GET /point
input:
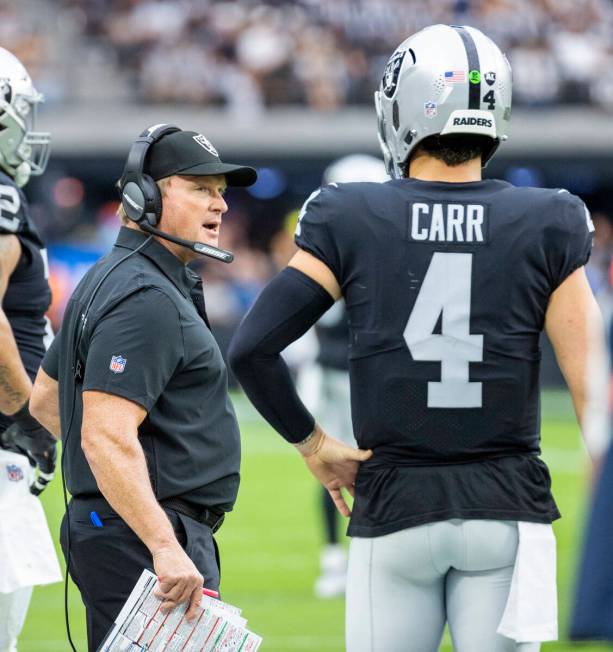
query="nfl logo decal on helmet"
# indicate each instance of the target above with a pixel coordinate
(430, 109)
(118, 364)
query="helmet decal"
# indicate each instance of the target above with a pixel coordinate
(392, 70)
(5, 89)
(474, 76)
(490, 78)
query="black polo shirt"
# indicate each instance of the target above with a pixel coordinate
(144, 340)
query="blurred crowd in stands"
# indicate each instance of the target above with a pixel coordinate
(322, 54)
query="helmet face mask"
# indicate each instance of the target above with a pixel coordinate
(442, 80)
(24, 152)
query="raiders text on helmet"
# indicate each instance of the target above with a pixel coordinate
(443, 80)
(23, 151)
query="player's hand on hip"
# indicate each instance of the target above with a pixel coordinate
(178, 578)
(334, 464)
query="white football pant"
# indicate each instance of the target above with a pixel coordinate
(403, 587)
(13, 610)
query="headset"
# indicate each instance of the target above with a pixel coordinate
(141, 198)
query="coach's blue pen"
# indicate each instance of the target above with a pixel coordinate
(95, 519)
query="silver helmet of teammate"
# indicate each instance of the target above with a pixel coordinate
(23, 150)
(446, 79)
(356, 167)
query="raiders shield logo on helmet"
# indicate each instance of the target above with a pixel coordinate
(5, 89)
(490, 78)
(392, 70)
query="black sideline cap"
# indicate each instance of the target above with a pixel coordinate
(190, 153)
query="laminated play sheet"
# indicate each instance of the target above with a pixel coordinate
(142, 626)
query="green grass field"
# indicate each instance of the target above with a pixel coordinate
(270, 544)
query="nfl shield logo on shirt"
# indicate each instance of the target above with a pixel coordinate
(14, 473)
(118, 364)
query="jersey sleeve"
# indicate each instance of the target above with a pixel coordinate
(314, 229)
(569, 237)
(136, 348)
(51, 361)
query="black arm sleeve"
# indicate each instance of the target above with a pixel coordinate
(287, 307)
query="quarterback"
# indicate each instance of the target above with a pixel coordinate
(448, 282)
(27, 557)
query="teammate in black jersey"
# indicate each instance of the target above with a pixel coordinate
(27, 556)
(448, 281)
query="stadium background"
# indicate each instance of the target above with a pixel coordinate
(287, 86)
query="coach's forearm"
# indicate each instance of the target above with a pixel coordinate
(15, 385)
(118, 463)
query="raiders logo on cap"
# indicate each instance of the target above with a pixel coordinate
(206, 143)
(392, 71)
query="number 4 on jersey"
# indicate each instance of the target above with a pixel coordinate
(445, 293)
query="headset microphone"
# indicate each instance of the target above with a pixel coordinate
(199, 247)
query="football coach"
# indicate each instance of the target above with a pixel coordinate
(137, 386)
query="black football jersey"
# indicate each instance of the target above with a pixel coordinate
(332, 332)
(446, 287)
(28, 295)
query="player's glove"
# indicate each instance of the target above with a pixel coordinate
(27, 436)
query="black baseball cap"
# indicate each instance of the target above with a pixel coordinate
(189, 153)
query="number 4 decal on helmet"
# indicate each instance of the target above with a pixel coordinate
(455, 347)
(490, 99)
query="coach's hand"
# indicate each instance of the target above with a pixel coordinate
(334, 464)
(179, 580)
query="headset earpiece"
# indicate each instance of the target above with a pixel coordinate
(153, 200)
(140, 195)
(133, 201)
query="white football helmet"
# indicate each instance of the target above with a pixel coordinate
(446, 79)
(23, 151)
(356, 167)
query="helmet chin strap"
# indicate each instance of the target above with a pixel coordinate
(22, 174)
